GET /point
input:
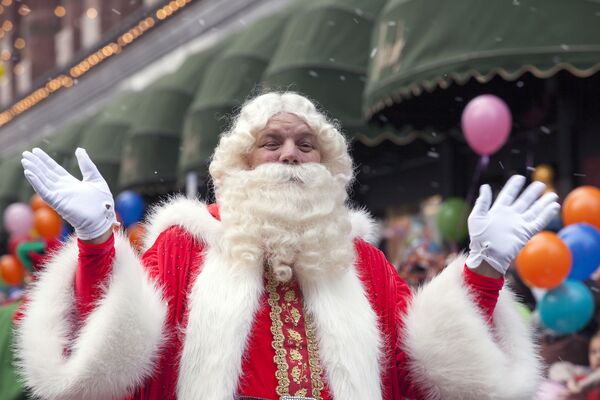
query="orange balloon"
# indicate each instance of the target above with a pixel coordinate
(11, 270)
(545, 261)
(543, 173)
(36, 202)
(47, 223)
(582, 205)
(135, 233)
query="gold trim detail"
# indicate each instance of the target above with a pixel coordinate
(283, 382)
(313, 356)
(282, 299)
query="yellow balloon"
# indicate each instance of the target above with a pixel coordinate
(543, 173)
(34, 234)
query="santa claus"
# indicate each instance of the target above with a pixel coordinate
(274, 292)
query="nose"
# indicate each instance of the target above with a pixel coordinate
(289, 154)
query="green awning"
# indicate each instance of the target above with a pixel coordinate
(104, 138)
(229, 80)
(26, 190)
(151, 150)
(11, 182)
(61, 145)
(324, 54)
(428, 44)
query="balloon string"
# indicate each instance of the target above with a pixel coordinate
(481, 166)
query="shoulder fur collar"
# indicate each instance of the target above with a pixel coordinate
(193, 216)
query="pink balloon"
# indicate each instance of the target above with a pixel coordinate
(486, 123)
(18, 219)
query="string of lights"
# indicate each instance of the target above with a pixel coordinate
(67, 80)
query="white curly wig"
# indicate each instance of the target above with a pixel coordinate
(234, 146)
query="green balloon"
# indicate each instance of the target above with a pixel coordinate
(452, 219)
(525, 312)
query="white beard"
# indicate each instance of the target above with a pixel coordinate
(291, 218)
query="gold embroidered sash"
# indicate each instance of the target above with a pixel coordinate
(294, 340)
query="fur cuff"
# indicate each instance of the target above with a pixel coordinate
(117, 346)
(454, 352)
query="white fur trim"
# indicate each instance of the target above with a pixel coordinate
(363, 226)
(456, 355)
(191, 215)
(350, 344)
(114, 351)
(222, 305)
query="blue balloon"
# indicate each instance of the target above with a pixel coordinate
(66, 232)
(555, 224)
(130, 207)
(567, 308)
(583, 241)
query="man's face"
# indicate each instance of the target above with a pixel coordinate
(287, 139)
(594, 352)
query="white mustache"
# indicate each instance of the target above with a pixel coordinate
(282, 173)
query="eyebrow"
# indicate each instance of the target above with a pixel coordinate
(275, 135)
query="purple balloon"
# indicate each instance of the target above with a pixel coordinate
(18, 219)
(486, 123)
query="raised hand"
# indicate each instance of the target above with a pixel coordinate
(87, 205)
(498, 233)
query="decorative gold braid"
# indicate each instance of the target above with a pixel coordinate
(281, 374)
(313, 356)
(280, 358)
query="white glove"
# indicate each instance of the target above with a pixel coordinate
(499, 233)
(87, 205)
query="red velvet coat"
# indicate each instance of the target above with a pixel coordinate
(176, 258)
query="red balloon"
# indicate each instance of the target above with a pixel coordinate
(47, 223)
(582, 205)
(11, 270)
(14, 241)
(545, 261)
